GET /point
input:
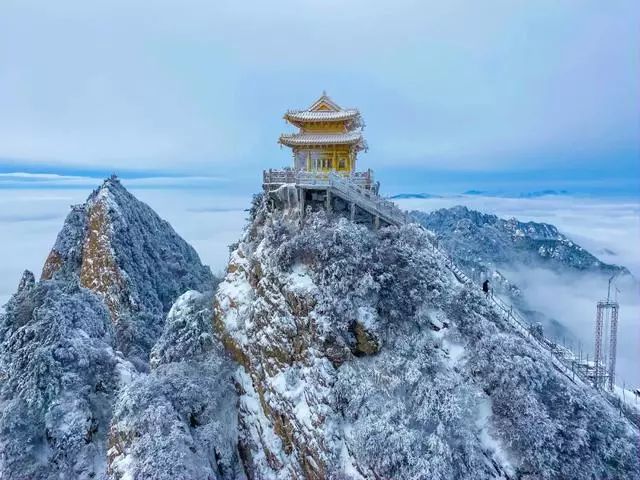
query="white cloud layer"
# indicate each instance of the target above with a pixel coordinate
(43, 180)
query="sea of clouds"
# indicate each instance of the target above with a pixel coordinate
(211, 219)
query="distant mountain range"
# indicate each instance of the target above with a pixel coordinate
(477, 238)
(404, 196)
(534, 194)
(485, 193)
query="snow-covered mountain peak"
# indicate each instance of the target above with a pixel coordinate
(119, 248)
(476, 237)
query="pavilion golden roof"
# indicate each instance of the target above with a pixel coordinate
(323, 124)
(320, 115)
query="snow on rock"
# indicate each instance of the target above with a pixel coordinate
(482, 245)
(300, 281)
(489, 442)
(187, 333)
(120, 249)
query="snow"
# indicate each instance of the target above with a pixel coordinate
(123, 464)
(182, 304)
(299, 280)
(490, 442)
(437, 318)
(126, 370)
(629, 398)
(292, 387)
(456, 351)
(234, 296)
(347, 461)
(259, 426)
(367, 317)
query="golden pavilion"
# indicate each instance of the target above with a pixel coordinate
(329, 137)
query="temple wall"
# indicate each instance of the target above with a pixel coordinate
(324, 128)
(336, 157)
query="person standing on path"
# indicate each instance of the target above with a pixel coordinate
(485, 287)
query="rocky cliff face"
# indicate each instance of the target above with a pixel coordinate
(360, 356)
(118, 247)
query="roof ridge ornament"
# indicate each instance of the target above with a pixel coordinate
(329, 104)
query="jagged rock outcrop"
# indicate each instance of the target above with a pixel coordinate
(119, 248)
(71, 341)
(361, 356)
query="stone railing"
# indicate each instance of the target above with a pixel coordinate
(317, 178)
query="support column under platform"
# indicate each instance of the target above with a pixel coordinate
(301, 200)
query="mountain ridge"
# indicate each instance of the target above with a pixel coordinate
(491, 236)
(485, 246)
(369, 325)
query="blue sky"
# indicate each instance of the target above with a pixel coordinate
(496, 95)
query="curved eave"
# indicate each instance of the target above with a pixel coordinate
(305, 116)
(321, 140)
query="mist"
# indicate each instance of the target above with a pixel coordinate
(571, 298)
(609, 228)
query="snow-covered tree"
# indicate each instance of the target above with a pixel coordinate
(59, 379)
(179, 421)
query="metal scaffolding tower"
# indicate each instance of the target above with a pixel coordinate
(605, 348)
